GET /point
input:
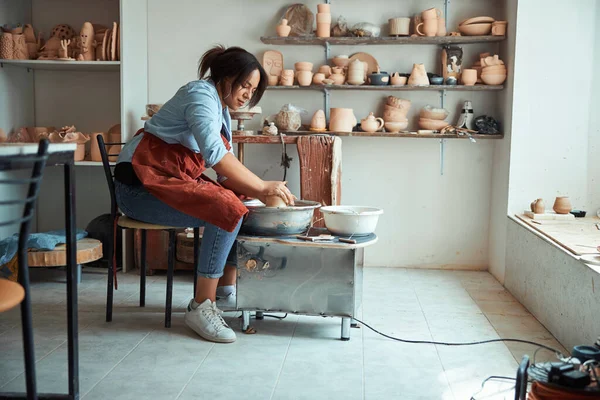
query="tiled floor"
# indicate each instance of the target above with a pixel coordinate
(135, 357)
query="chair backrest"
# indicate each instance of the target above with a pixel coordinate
(36, 162)
(108, 172)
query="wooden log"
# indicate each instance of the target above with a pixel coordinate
(320, 159)
(88, 250)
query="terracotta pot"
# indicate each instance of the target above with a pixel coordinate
(538, 206)
(428, 27)
(338, 77)
(318, 78)
(94, 148)
(393, 114)
(287, 77)
(469, 77)
(6, 46)
(323, 18)
(272, 80)
(371, 124)
(342, 120)
(20, 51)
(398, 103)
(399, 26)
(325, 70)
(323, 29)
(304, 78)
(341, 61)
(80, 152)
(562, 205)
(318, 122)
(303, 66)
(324, 8)
(283, 29)
(418, 76)
(395, 127)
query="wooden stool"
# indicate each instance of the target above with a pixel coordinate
(88, 250)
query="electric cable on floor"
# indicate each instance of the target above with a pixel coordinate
(459, 343)
(489, 378)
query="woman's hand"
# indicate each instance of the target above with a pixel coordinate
(276, 188)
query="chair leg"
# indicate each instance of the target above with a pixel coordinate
(171, 268)
(27, 326)
(110, 284)
(196, 257)
(143, 271)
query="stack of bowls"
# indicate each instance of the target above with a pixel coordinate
(494, 74)
(394, 114)
(304, 73)
(432, 118)
(477, 26)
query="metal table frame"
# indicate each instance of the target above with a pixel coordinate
(62, 154)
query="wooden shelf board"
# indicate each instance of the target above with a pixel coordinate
(419, 40)
(92, 163)
(292, 137)
(474, 88)
(51, 65)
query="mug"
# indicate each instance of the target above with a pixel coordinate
(499, 28)
(430, 27)
(432, 13)
(399, 26)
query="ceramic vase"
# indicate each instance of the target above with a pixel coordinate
(342, 120)
(538, 206)
(356, 73)
(287, 77)
(418, 76)
(6, 46)
(283, 29)
(318, 122)
(304, 78)
(562, 205)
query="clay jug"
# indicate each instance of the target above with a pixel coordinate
(6, 46)
(538, 206)
(562, 205)
(356, 73)
(342, 120)
(304, 78)
(283, 29)
(371, 124)
(318, 122)
(418, 76)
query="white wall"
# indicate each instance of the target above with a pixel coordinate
(593, 202)
(561, 292)
(430, 220)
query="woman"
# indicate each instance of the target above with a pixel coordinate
(158, 177)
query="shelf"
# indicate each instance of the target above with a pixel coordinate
(92, 163)
(476, 88)
(418, 40)
(292, 137)
(51, 65)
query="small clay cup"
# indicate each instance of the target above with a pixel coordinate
(562, 205)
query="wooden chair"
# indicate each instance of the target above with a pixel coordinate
(124, 222)
(11, 293)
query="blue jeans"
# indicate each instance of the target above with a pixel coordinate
(218, 246)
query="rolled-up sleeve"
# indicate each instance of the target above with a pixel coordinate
(202, 114)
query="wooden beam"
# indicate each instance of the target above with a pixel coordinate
(407, 88)
(408, 40)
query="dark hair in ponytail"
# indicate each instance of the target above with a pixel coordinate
(233, 63)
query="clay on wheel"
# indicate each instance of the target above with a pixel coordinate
(275, 201)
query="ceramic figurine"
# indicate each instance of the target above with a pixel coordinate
(88, 44)
(465, 120)
(538, 206)
(562, 205)
(283, 29)
(452, 62)
(270, 130)
(273, 63)
(50, 49)
(287, 77)
(418, 76)
(318, 122)
(342, 120)
(6, 46)
(63, 52)
(20, 51)
(371, 124)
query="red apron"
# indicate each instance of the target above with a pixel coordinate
(174, 174)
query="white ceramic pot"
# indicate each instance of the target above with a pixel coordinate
(351, 220)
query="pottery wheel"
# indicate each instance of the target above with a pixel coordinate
(241, 116)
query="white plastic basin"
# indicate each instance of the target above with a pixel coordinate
(351, 220)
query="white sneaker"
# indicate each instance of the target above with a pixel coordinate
(227, 303)
(207, 322)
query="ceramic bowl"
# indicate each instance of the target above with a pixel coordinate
(380, 79)
(351, 220)
(493, 79)
(152, 109)
(395, 127)
(432, 124)
(438, 80)
(303, 66)
(434, 113)
(341, 61)
(397, 102)
(475, 29)
(578, 213)
(394, 114)
(451, 81)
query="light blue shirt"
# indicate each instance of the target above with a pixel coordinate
(193, 118)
